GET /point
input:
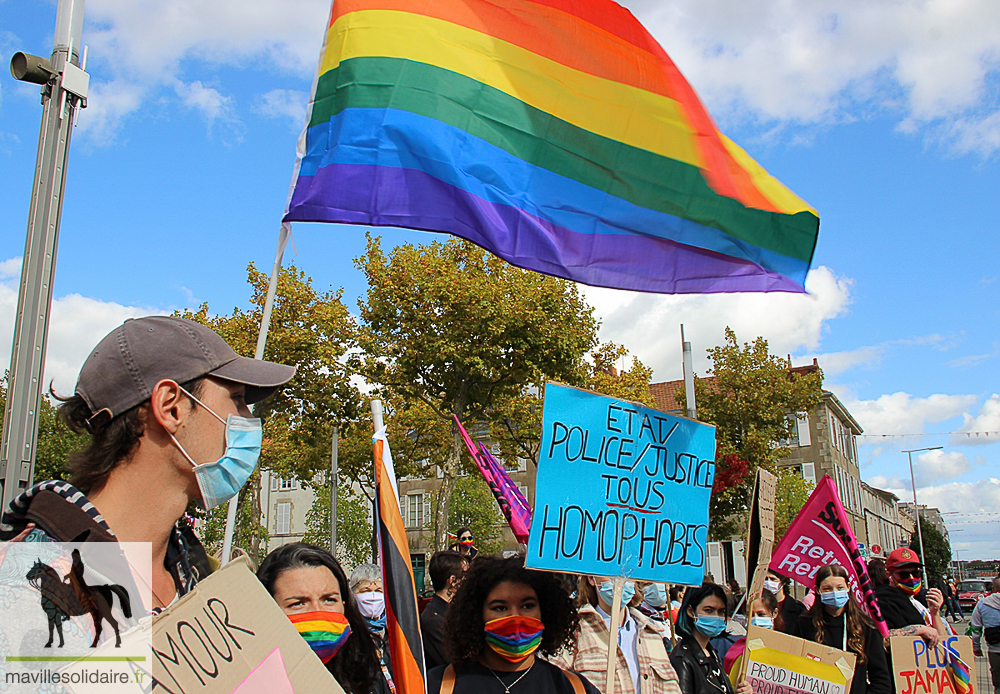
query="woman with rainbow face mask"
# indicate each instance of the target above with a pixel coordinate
(836, 620)
(464, 544)
(310, 587)
(501, 618)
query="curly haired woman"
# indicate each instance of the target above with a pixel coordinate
(502, 617)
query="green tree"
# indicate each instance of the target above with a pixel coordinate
(473, 506)
(354, 529)
(516, 422)
(313, 330)
(791, 493)
(55, 440)
(750, 397)
(458, 329)
(936, 555)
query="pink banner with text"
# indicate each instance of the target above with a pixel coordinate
(821, 534)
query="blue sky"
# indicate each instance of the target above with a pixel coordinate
(885, 116)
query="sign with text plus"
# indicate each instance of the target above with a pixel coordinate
(621, 490)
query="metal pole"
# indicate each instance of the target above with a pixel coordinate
(692, 411)
(333, 491)
(265, 325)
(64, 89)
(916, 508)
(377, 423)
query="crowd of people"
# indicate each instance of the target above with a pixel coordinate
(165, 402)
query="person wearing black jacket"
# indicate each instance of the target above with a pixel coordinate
(789, 609)
(836, 620)
(699, 668)
(897, 601)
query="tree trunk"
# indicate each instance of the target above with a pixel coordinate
(449, 476)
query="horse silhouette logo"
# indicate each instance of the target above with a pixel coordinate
(70, 596)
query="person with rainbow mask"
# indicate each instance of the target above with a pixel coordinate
(898, 601)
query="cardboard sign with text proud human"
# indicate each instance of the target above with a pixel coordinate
(229, 637)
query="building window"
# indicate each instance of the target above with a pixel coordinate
(802, 429)
(415, 510)
(809, 472)
(286, 485)
(283, 519)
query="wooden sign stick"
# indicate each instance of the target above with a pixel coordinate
(616, 621)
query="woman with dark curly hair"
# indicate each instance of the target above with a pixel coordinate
(310, 587)
(500, 618)
(836, 620)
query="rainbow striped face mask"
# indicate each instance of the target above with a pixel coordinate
(325, 632)
(514, 638)
(911, 586)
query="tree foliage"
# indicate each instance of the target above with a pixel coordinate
(354, 529)
(516, 421)
(473, 506)
(791, 493)
(55, 440)
(749, 398)
(456, 328)
(936, 555)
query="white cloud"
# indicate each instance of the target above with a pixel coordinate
(648, 324)
(933, 467)
(987, 421)
(902, 413)
(823, 61)
(139, 52)
(288, 104)
(77, 324)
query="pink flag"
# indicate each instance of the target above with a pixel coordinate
(513, 505)
(821, 534)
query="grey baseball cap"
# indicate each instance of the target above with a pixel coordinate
(121, 371)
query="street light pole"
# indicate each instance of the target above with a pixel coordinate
(64, 85)
(916, 508)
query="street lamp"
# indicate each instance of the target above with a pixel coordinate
(916, 509)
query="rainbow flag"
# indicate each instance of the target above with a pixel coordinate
(557, 134)
(402, 621)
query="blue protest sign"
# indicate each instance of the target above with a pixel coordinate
(621, 490)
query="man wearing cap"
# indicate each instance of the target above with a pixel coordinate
(165, 401)
(903, 614)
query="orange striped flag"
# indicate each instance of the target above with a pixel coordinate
(402, 622)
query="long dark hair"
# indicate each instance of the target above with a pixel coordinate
(855, 620)
(694, 597)
(357, 661)
(464, 628)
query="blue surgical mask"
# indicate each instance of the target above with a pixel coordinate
(655, 594)
(221, 480)
(710, 626)
(763, 622)
(607, 591)
(835, 598)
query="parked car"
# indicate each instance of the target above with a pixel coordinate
(971, 591)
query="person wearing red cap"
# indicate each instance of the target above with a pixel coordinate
(903, 613)
(165, 402)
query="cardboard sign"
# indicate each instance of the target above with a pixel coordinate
(760, 531)
(777, 663)
(229, 635)
(920, 669)
(621, 490)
